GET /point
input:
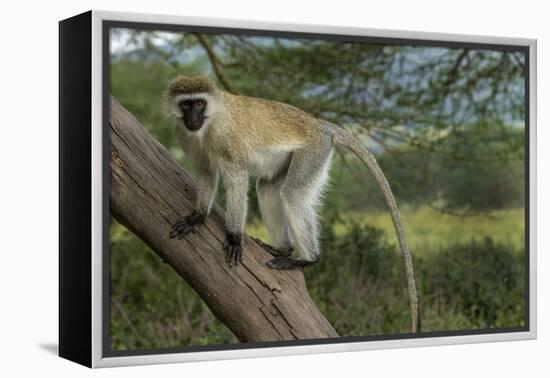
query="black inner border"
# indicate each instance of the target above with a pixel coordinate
(106, 337)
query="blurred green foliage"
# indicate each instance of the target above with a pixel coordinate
(447, 128)
(359, 285)
(151, 306)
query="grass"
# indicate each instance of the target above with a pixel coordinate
(429, 230)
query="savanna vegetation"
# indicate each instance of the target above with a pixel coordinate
(447, 125)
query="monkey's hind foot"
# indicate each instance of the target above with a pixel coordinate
(233, 248)
(187, 224)
(285, 263)
(275, 252)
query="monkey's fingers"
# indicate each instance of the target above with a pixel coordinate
(180, 222)
(187, 224)
(272, 250)
(275, 263)
(233, 254)
(181, 228)
(229, 256)
(285, 263)
(177, 228)
(192, 229)
(232, 259)
(173, 233)
(227, 249)
(238, 254)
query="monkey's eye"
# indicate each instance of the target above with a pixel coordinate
(186, 104)
(200, 103)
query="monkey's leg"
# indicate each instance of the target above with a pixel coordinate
(236, 184)
(275, 252)
(207, 185)
(271, 208)
(307, 174)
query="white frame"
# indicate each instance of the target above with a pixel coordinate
(97, 196)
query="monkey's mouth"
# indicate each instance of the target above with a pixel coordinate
(193, 123)
(183, 117)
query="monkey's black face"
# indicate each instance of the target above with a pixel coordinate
(193, 113)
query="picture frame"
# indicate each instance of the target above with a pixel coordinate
(85, 185)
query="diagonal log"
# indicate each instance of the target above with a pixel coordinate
(149, 191)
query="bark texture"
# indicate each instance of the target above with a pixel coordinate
(149, 192)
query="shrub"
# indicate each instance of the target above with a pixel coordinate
(360, 283)
(484, 280)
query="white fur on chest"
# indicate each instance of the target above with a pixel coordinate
(187, 136)
(268, 163)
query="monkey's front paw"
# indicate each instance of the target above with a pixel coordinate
(187, 224)
(233, 249)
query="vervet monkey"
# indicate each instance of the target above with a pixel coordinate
(287, 150)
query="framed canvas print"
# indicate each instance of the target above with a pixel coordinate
(235, 189)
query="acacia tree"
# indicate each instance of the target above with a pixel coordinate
(432, 100)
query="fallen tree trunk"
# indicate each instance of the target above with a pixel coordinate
(149, 192)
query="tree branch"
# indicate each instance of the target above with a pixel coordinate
(215, 61)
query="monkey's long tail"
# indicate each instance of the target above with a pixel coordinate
(345, 138)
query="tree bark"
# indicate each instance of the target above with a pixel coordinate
(149, 192)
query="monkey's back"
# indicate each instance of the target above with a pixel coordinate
(266, 123)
